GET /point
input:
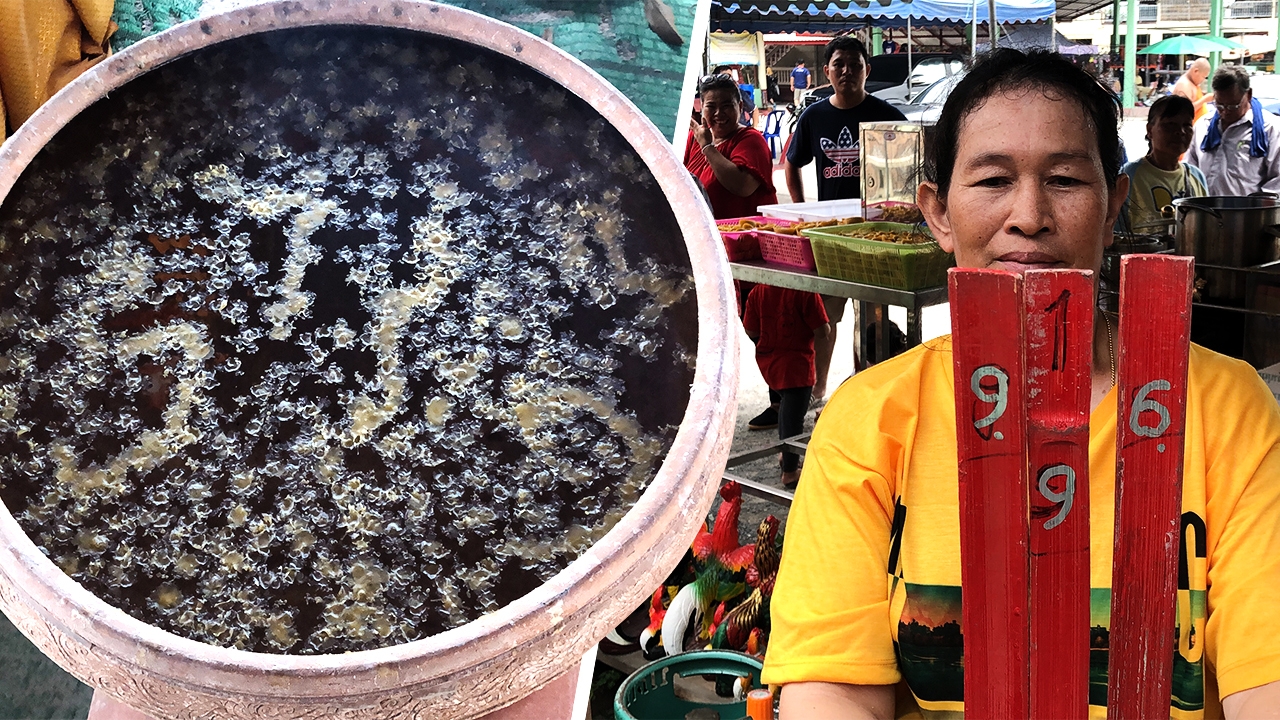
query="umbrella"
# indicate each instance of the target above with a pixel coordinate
(1224, 42)
(1183, 45)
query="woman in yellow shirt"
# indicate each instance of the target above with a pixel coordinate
(1159, 177)
(1025, 174)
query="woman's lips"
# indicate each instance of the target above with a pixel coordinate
(1022, 261)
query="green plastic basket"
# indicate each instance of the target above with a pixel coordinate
(650, 692)
(904, 267)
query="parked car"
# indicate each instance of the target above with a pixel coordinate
(927, 105)
(890, 81)
(1266, 88)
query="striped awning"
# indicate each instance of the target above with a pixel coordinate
(739, 15)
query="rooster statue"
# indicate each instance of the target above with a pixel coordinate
(720, 563)
(743, 626)
(650, 637)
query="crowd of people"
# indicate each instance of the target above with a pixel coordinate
(1217, 143)
(731, 160)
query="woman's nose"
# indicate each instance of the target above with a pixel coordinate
(1030, 212)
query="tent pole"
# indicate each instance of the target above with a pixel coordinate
(1215, 29)
(993, 24)
(1130, 52)
(1115, 31)
(1053, 33)
(973, 32)
(910, 66)
(877, 37)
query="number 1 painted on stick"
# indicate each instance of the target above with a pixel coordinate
(1155, 326)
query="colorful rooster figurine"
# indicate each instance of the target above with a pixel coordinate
(764, 562)
(721, 543)
(721, 561)
(746, 621)
(650, 639)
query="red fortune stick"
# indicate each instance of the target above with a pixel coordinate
(1059, 353)
(986, 321)
(1155, 327)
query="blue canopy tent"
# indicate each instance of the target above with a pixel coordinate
(767, 16)
(1040, 36)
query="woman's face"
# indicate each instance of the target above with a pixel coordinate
(1028, 190)
(720, 111)
(1171, 134)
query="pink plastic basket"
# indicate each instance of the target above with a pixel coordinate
(741, 245)
(744, 245)
(790, 250)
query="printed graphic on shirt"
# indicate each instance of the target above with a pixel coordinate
(929, 641)
(843, 153)
(1162, 196)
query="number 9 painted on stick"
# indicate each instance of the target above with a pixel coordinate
(1000, 397)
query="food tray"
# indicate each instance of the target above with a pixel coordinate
(744, 245)
(875, 211)
(790, 250)
(903, 267)
(822, 210)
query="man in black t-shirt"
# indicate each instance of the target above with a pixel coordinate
(828, 130)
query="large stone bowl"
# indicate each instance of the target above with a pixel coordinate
(467, 671)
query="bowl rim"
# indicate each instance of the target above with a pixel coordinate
(563, 617)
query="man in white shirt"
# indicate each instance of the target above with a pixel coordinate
(1238, 146)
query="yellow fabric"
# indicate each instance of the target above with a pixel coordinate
(1152, 189)
(888, 437)
(45, 44)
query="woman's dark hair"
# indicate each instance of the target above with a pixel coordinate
(721, 81)
(1169, 106)
(1040, 70)
(849, 44)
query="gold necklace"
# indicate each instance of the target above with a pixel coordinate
(1111, 348)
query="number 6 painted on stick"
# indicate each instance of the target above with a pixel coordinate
(1142, 403)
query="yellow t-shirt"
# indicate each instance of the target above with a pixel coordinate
(1151, 189)
(869, 588)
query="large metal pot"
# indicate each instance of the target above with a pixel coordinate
(1230, 232)
(485, 664)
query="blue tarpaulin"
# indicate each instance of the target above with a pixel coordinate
(765, 16)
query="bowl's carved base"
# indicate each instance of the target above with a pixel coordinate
(555, 700)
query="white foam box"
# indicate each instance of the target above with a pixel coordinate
(813, 211)
(1271, 376)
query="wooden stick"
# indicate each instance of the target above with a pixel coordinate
(1155, 325)
(1059, 335)
(986, 321)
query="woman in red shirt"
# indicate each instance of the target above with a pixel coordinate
(731, 161)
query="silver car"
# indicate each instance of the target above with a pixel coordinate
(925, 107)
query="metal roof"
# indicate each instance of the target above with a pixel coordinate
(811, 15)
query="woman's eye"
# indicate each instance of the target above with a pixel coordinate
(994, 181)
(1064, 181)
